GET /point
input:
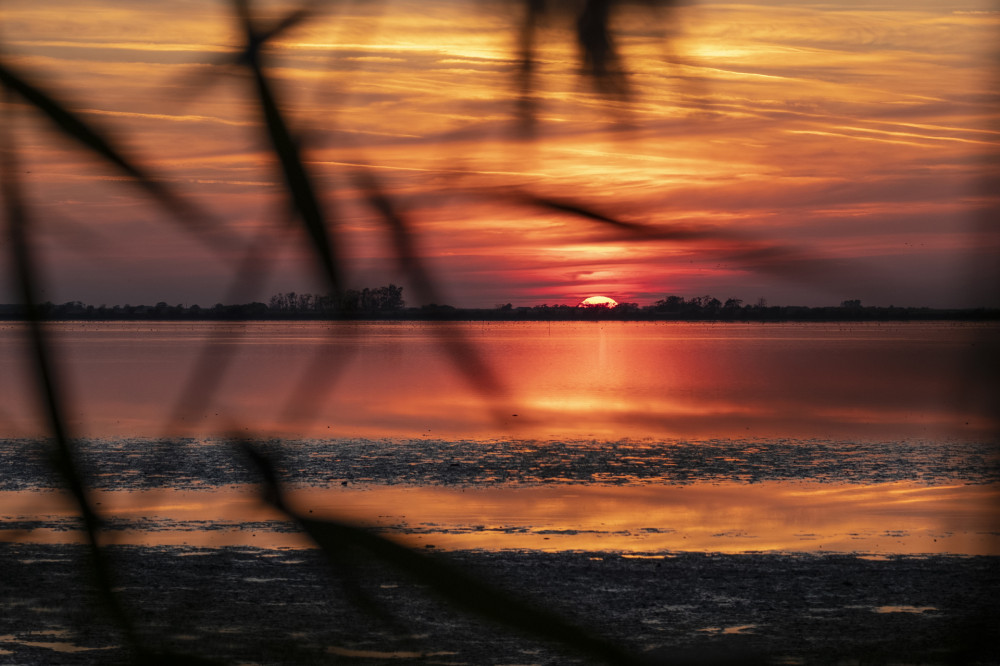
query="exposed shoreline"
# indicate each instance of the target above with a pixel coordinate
(135, 463)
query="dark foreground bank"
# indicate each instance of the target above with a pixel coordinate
(240, 605)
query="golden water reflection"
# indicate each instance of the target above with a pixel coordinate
(901, 518)
(560, 380)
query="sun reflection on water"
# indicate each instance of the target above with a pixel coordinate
(717, 517)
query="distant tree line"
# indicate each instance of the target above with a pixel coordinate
(709, 308)
(352, 303)
(387, 303)
(364, 303)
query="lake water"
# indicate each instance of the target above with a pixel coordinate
(530, 380)
(729, 437)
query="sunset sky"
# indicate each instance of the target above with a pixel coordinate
(805, 153)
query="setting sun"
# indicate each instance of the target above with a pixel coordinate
(292, 284)
(598, 302)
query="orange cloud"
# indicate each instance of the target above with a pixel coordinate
(828, 133)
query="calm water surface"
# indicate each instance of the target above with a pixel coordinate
(527, 380)
(875, 438)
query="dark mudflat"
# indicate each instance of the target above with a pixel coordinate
(242, 605)
(135, 464)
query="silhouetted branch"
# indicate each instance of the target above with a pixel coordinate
(52, 401)
(297, 180)
(467, 360)
(71, 125)
(450, 583)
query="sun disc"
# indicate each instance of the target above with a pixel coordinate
(598, 302)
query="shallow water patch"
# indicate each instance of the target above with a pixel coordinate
(719, 517)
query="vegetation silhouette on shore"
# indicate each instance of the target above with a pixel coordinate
(386, 303)
(142, 632)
